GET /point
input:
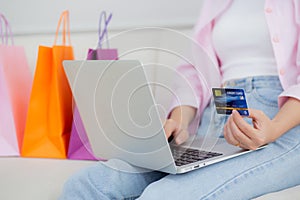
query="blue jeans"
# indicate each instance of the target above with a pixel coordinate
(271, 169)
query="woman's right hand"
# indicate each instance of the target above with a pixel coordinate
(177, 131)
(177, 125)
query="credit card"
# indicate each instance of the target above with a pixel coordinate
(228, 99)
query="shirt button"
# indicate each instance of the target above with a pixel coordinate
(282, 71)
(268, 10)
(275, 39)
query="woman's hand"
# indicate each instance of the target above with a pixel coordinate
(176, 126)
(264, 130)
(178, 131)
(239, 133)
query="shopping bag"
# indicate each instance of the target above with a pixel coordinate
(79, 146)
(49, 118)
(15, 86)
(101, 53)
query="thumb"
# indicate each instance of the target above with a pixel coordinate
(257, 117)
(255, 114)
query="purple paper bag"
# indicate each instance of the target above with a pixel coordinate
(102, 54)
(79, 146)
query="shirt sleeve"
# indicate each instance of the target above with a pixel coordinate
(294, 89)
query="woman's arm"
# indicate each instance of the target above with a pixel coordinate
(178, 123)
(264, 130)
(288, 116)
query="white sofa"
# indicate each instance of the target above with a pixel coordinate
(42, 179)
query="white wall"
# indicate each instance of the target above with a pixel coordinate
(41, 16)
(34, 22)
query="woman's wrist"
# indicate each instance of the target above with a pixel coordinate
(277, 130)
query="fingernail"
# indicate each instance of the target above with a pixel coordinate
(232, 112)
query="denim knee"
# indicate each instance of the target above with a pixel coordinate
(80, 186)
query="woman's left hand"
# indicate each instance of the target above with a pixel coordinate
(239, 133)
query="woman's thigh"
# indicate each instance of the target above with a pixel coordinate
(114, 179)
(271, 169)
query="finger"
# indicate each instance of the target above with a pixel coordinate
(243, 146)
(245, 141)
(242, 125)
(170, 127)
(181, 136)
(228, 134)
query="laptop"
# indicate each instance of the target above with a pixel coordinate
(121, 119)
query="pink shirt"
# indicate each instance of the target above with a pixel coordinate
(282, 17)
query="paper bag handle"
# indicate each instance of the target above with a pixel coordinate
(6, 29)
(64, 18)
(103, 33)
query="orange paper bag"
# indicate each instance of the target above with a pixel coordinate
(49, 118)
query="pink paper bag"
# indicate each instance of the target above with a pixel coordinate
(79, 146)
(15, 86)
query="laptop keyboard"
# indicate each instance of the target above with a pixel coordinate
(184, 156)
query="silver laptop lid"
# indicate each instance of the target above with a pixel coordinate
(118, 111)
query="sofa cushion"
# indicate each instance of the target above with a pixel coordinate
(35, 179)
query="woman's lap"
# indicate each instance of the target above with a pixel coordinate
(108, 180)
(244, 177)
(271, 169)
(267, 170)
